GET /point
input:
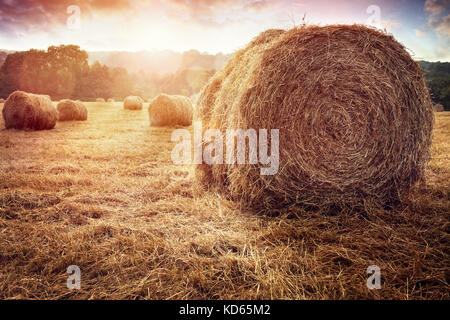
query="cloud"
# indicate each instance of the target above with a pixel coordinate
(420, 33)
(436, 20)
(444, 51)
(218, 12)
(439, 22)
(441, 25)
(262, 5)
(390, 24)
(436, 7)
(40, 15)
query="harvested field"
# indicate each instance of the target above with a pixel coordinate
(104, 194)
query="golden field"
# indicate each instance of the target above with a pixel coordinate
(104, 194)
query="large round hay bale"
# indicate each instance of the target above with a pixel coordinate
(100, 100)
(111, 100)
(354, 117)
(438, 107)
(29, 111)
(2, 100)
(133, 103)
(71, 110)
(170, 110)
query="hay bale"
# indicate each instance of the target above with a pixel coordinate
(438, 107)
(194, 98)
(354, 117)
(133, 103)
(170, 110)
(71, 110)
(2, 100)
(111, 100)
(29, 111)
(99, 100)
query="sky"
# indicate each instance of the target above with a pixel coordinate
(212, 26)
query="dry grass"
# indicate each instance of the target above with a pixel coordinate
(103, 194)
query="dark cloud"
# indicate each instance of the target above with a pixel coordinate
(437, 6)
(442, 25)
(439, 17)
(28, 16)
(439, 21)
(34, 15)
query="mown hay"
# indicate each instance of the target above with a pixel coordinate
(438, 107)
(29, 111)
(354, 115)
(133, 103)
(71, 110)
(100, 100)
(170, 110)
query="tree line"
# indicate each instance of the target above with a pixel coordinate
(437, 78)
(64, 72)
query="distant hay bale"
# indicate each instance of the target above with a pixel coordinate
(133, 103)
(29, 111)
(100, 100)
(111, 100)
(194, 98)
(71, 110)
(170, 110)
(45, 96)
(354, 117)
(2, 100)
(438, 107)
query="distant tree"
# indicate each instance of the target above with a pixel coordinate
(439, 91)
(96, 83)
(11, 72)
(64, 72)
(121, 83)
(437, 75)
(67, 63)
(56, 72)
(445, 97)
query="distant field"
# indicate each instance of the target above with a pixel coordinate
(104, 195)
